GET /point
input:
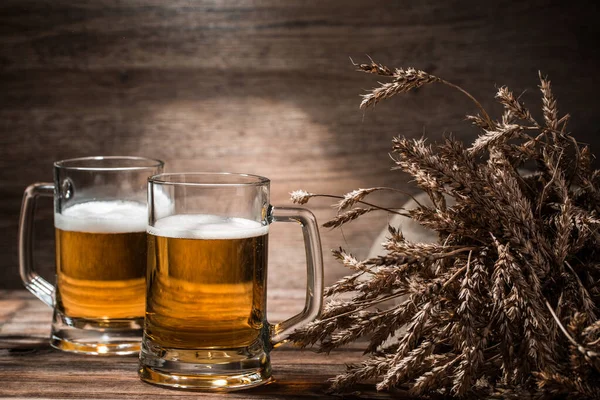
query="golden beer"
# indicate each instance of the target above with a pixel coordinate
(205, 326)
(101, 260)
(206, 282)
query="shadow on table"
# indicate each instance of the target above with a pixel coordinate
(23, 344)
(309, 388)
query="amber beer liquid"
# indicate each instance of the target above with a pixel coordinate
(101, 260)
(206, 285)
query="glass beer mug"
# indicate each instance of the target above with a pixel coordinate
(100, 218)
(206, 325)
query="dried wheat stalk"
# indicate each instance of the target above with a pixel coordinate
(506, 305)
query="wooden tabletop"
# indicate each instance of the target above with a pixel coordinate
(30, 368)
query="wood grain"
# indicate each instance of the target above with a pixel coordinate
(30, 368)
(267, 88)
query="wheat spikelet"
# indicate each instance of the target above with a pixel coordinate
(404, 80)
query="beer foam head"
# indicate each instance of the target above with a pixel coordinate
(117, 216)
(202, 226)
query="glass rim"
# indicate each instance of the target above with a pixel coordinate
(183, 179)
(79, 163)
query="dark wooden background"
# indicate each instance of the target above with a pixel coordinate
(266, 87)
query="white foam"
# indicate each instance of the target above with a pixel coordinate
(117, 216)
(203, 226)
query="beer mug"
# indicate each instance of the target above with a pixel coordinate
(206, 325)
(100, 218)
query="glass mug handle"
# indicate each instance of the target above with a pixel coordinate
(314, 273)
(33, 282)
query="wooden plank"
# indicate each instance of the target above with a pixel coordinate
(29, 368)
(271, 35)
(266, 87)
